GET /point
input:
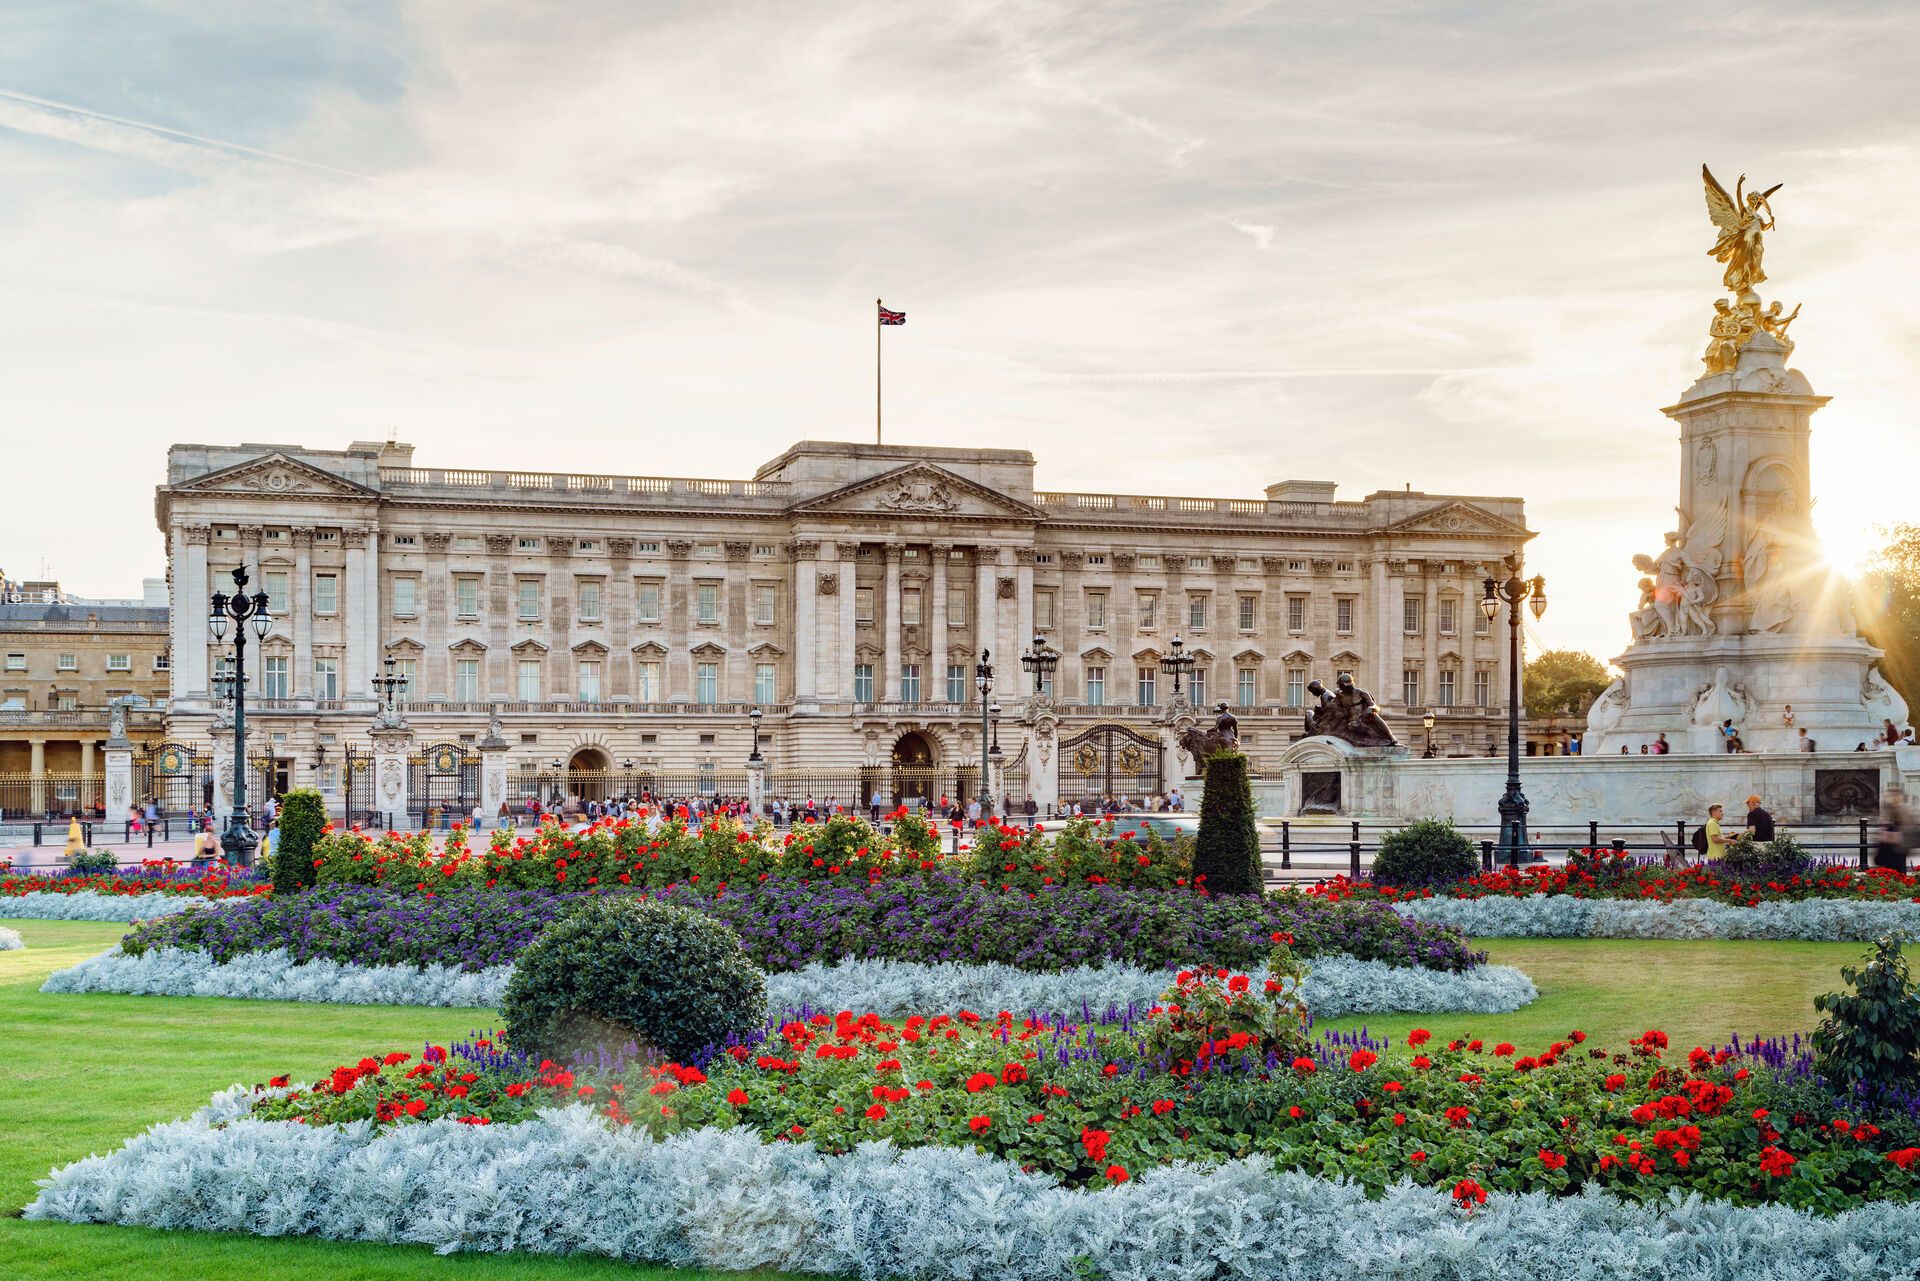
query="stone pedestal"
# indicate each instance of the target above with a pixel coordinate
(119, 765)
(757, 788)
(222, 735)
(1739, 620)
(392, 744)
(493, 770)
(1043, 756)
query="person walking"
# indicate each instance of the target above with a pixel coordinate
(76, 838)
(1804, 743)
(1759, 820)
(1899, 832)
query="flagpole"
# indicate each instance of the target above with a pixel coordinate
(877, 304)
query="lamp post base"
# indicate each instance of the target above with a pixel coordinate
(1514, 847)
(238, 843)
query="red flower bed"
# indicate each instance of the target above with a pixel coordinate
(1598, 876)
(156, 876)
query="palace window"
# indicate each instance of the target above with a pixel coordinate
(647, 549)
(527, 544)
(863, 682)
(529, 590)
(68, 663)
(1096, 609)
(1449, 607)
(273, 676)
(1199, 562)
(590, 602)
(1448, 679)
(1247, 682)
(1197, 686)
(16, 662)
(646, 602)
(763, 684)
(910, 553)
(326, 593)
(1143, 686)
(706, 683)
(405, 540)
(956, 607)
(1482, 687)
(1096, 687)
(765, 601)
(910, 606)
(326, 678)
(1147, 603)
(1096, 560)
(589, 680)
(1197, 613)
(466, 543)
(1296, 687)
(1410, 686)
(529, 680)
(1147, 560)
(765, 551)
(466, 597)
(1481, 623)
(1043, 558)
(707, 549)
(1043, 609)
(863, 604)
(276, 582)
(648, 685)
(956, 682)
(910, 683)
(119, 662)
(1343, 567)
(1411, 608)
(589, 545)
(1343, 615)
(1247, 610)
(466, 679)
(404, 592)
(706, 606)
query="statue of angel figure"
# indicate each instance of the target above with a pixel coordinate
(1741, 218)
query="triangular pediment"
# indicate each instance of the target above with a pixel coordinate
(1346, 658)
(405, 645)
(1296, 656)
(529, 646)
(709, 649)
(918, 490)
(1458, 518)
(1249, 654)
(767, 649)
(650, 649)
(275, 475)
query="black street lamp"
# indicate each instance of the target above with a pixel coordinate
(1040, 662)
(753, 718)
(242, 611)
(1426, 723)
(983, 681)
(1176, 663)
(626, 767)
(553, 797)
(386, 686)
(1513, 805)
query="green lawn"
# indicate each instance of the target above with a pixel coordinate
(82, 1073)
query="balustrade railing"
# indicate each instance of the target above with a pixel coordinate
(578, 483)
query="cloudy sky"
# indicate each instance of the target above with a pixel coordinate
(1171, 248)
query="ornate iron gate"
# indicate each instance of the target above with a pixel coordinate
(174, 776)
(443, 785)
(358, 788)
(1108, 760)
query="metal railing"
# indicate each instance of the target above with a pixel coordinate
(1151, 505)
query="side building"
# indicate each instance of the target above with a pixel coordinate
(622, 627)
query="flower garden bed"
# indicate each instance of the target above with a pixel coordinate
(90, 905)
(1337, 985)
(156, 876)
(785, 925)
(1598, 874)
(1565, 916)
(961, 1147)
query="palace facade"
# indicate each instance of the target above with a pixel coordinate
(616, 630)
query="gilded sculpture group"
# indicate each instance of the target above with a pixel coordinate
(1741, 218)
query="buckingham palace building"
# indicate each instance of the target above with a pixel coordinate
(615, 634)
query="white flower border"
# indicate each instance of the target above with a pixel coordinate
(724, 1199)
(1336, 986)
(1820, 920)
(90, 906)
(10, 940)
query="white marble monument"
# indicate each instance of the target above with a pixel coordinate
(1739, 620)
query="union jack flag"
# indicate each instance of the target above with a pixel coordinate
(892, 317)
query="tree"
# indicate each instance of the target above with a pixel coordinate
(1227, 850)
(303, 814)
(1562, 682)
(1887, 604)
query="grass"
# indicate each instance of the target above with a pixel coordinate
(83, 1073)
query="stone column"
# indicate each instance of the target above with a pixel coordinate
(300, 620)
(806, 591)
(436, 611)
(986, 593)
(1382, 647)
(891, 660)
(934, 680)
(757, 787)
(86, 774)
(849, 628)
(1023, 573)
(355, 612)
(222, 735)
(1005, 650)
(1430, 632)
(737, 668)
(37, 766)
(190, 601)
(392, 741)
(1043, 762)
(617, 609)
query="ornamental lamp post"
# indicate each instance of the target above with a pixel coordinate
(983, 681)
(1177, 663)
(1512, 592)
(242, 611)
(753, 718)
(386, 686)
(993, 753)
(1426, 723)
(1039, 663)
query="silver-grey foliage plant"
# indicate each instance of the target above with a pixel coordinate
(1337, 985)
(10, 940)
(568, 1183)
(89, 906)
(1816, 920)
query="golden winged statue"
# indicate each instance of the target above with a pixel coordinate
(1741, 218)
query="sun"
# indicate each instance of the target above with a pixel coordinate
(1848, 545)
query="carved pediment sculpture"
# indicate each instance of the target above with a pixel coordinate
(919, 491)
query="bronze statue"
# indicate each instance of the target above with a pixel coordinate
(1223, 737)
(1740, 220)
(1348, 714)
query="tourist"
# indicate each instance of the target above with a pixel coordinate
(271, 841)
(1573, 745)
(973, 812)
(1715, 835)
(1660, 745)
(1899, 833)
(1804, 743)
(76, 839)
(1787, 717)
(1033, 809)
(1888, 734)
(1759, 821)
(1729, 734)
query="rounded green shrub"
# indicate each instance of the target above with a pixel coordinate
(303, 814)
(1782, 858)
(91, 862)
(1870, 1040)
(620, 969)
(1431, 851)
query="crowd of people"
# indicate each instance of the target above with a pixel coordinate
(785, 811)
